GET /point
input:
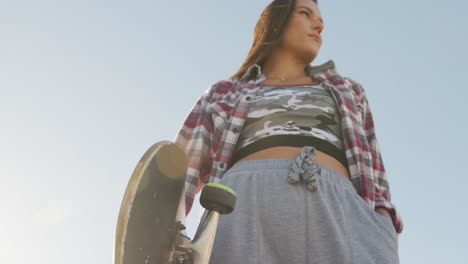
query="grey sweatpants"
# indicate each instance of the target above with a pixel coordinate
(275, 221)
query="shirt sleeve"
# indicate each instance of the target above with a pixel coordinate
(382, 188)
(194, 138)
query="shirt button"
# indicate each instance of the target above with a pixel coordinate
(235, 130)
(248, 98)
(221, 165)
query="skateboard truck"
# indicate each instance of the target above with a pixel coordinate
(218, 199)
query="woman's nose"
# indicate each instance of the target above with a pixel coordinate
(317, 25)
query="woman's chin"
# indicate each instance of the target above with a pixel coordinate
(310, 55)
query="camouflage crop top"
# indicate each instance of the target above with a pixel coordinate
(297, 115)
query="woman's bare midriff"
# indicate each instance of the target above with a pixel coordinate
(291, 153)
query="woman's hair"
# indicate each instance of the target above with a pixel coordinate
(268, 31)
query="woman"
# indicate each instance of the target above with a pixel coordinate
(297, 144)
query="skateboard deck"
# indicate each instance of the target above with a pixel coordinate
(146, 226)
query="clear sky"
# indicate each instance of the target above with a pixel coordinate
(87, 86)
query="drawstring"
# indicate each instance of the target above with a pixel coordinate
(304, 168)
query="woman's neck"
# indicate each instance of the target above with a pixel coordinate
(282, 66)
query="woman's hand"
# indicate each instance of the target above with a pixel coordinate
(383, 212)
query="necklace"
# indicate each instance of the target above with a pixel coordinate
(294, 80)
(282, 79)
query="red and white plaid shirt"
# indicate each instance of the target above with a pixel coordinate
(210, 132)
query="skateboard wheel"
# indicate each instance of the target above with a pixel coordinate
(218, 197)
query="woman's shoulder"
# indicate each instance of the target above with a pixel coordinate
(354, 85)
(329, 72)
(222, 88)
(217, 87)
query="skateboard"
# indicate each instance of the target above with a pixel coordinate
(148, 231)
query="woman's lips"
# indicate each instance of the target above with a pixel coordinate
(317, 38)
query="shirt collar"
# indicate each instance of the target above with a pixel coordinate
(321, 72)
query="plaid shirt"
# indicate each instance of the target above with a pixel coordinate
(210, 132)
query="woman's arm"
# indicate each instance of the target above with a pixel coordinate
(383, 203)
(194, 138)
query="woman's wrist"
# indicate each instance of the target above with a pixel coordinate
(383, 212)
